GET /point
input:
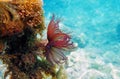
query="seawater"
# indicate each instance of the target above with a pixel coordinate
(95, 27)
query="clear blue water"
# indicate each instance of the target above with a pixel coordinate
(95, 27)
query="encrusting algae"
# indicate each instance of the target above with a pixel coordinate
(27, 57)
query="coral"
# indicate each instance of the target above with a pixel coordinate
(26, 14)
(9, 21)
(20, 22)
(31, 13)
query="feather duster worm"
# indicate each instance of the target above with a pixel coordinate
(58, 43)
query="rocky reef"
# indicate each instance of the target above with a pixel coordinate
(20, 49)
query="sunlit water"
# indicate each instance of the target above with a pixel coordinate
(95, 27)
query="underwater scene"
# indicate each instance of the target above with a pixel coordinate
(59, 39)
(94, 25)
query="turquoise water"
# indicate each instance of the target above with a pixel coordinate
(95, 28)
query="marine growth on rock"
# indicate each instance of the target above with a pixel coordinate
(25, 56)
